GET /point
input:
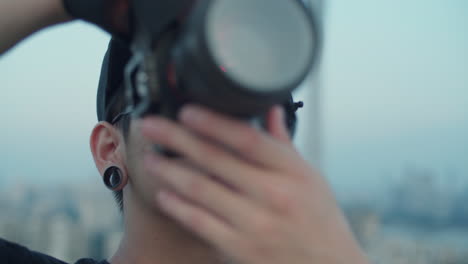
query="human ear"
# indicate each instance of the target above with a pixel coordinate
(107, 146)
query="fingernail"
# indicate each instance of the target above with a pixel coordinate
(280, 110)
(277, 111)
(191, 114)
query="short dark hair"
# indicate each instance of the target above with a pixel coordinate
(123, 124)
(110, 94)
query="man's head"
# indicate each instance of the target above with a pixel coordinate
(116, 140)
(111, 141)
(110, 97)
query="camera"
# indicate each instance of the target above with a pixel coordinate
(238, 57)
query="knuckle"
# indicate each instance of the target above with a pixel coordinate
(209, 152)
(284, 204)
(282, 200)
(169, 138)
(195, 221)
(195, 187)
(263, 226)
(249, 139)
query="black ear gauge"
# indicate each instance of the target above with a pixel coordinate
(113, 178)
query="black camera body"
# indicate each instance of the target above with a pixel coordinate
(237, 57)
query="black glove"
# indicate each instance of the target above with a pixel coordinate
(111, 15)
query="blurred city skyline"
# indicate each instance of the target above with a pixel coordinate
(394, 83)
(417, 223)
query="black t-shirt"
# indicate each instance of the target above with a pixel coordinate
(11, 253)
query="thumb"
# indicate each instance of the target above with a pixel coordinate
(276, 124)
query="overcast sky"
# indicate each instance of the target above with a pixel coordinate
(394, 80)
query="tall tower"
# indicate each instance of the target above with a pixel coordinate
(309, 139)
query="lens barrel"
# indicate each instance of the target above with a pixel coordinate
(241, 57)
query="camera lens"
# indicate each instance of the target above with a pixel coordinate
(263, 45)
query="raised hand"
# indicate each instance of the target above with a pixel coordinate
(252, 196)
(111, 15)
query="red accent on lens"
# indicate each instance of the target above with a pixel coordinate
(171, 77)
(172, 82)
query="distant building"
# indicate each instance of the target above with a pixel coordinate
(365, 223)
(67, 222)
(310, 124)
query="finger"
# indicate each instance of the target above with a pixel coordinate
(204, 191)
(198, 221)
(215, 160)
(251, 143)
(276, 124)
